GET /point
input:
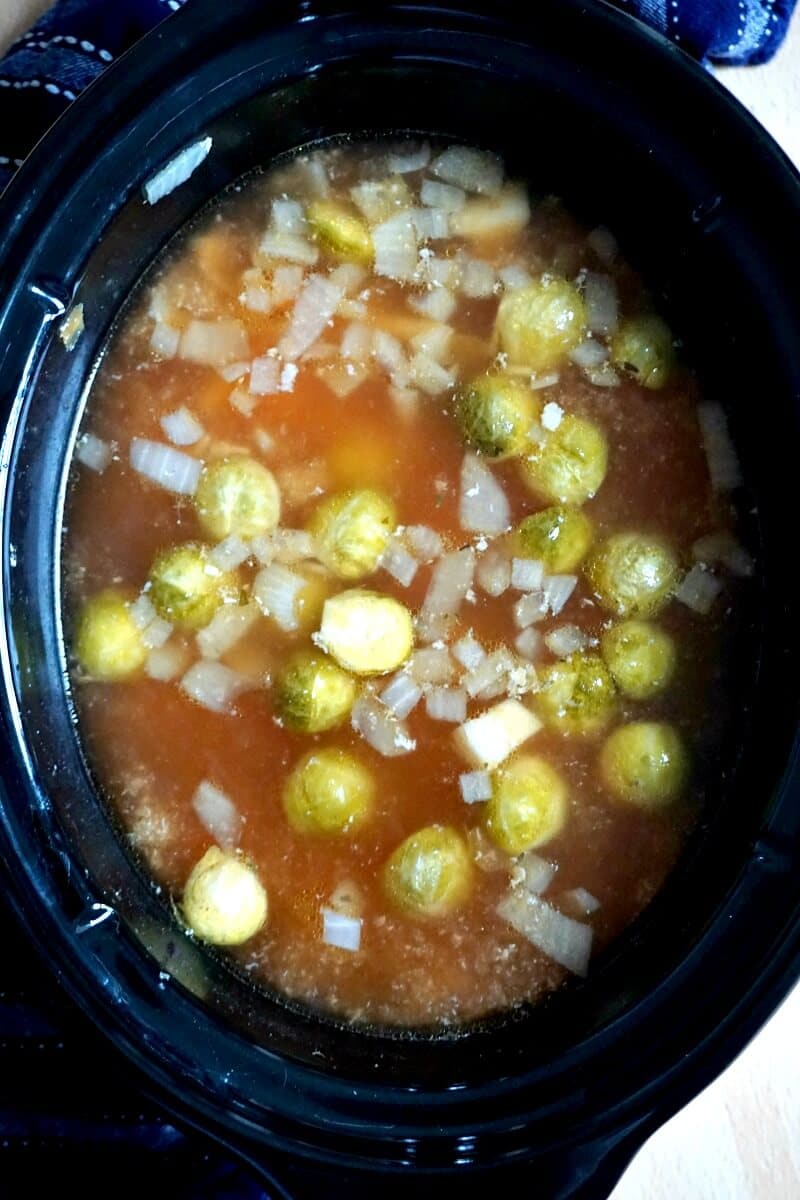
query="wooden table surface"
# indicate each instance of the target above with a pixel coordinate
(740, 1139)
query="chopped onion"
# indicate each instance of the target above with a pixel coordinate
(286, 283)
(514, 276)
(483, 505)
(288, 246)
(347, 899)
(142, 611)
(557, 590)
(316, 176)
(431, 665)
(723, 548)
(229, 554)
(402, 695)
(439, 272)
(288, 216)
(244, 402)
(500, 216)
(170, 468)
(276, 590)
(604, 244)
(602, 304)
(214, 343)
(566, 640)
(468, 651)
(472, 170)
(475, 786)
(723, 462)
(430, 224)
(235, 371)
(341, 931)
(432, 627)
(357, 342)
(390, 355)
(529, 642)
(175, 172)
(552, 416)
(343, 377)
(451, 579)
(477, 279)
(537, 872)
(439, 304)
(433, 342)
(583, 901)
(699, 589)
(425, 543)
(218, 814)
(446, 704)
(527, 574)
(538, 382)
(408, 158)
(257, 299)
(489, 739)
(589, 354)
(395, 245)
(430, 376)
(228, 625)
(181, 427)
(348, 276)
(442, 195)
(165, 340)
(156, 634)
(284, 545)
(529, 609)
(289, 372)
(398, 563)
(494, 572)
(488, 678)
(265, 375)
(487, 856)
(213, 685)
(93, 452)
(380, 728)
(312, 311)
(567, 942)
(265, 441)
(602, 376)
(166, 662)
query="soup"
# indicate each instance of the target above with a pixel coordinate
(399, 550)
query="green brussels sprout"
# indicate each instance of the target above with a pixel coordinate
(577, 695)
(558, 536)
(644, 763)
(187, 589)
(237, 496)
(569, 465)
(340, 231)
(109, 644)
(429, 874)
(328, 792)
(224, 902)
(495, 414)
(640, 656)
(528, 805)
(643, 347)
(367, 633)
(313, 694)
(633, 574)
(351, 530)
(540, 324)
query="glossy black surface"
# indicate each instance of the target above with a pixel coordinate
(584, 103)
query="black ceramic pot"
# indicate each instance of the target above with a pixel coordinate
(589, 105)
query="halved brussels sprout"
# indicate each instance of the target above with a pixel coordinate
(109, 644)
(313, 694)
(540, 324)
(224, 902)
(528, 806)
(495, 414)
(644, 763)
(640, 656)
(430, 873)
(633, 574)
(366, 632)
(558, 536)
(570, 464)
(577, 695)
(187, 589)
(351, 530)
(340, 231)
(329, 792)
(237, 496)
(643, 346)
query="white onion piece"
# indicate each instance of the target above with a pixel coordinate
(723, 548)
(442, 195)
(552, 416)
(286, 283)
(567, 942)
(489, 739)
(487, 856)
(357, 342)
(432, 627)
(228, 626)
(157, 634)
(430, 224)
(476, 786)
(244, 402)
(347, 899)
(395, 245)
(214, 343)
(165, 340)
(566, 640)
(446, 704)
(175, 172)
(494, 572)
(514, 276)
(169, 468)
(602, 376)
(500, 216)
(433, 342)
(408, 158)
(604, 244)
(397, 562)
(265, 376)
(451, 579)
(425, 543)
(602, 303)
(583, 901)
(166, 662)
(538, 382)
(316, 176)
(439, 304)
(142, 611)
(472, 170)
(521, 679)
(431, 665)
(468, 651)
(557, 590)
(380, 728)
(289, 372)
(488, 678)
(257, 299)
(406, 402)
(537, 872)
(527, 574)
(181, 427)
(348, 276)
(284, 545)
(529, 643)
(217, 814)
(430, 376)
(93, 452)
(341, 931)
(529, 609)
(477, 279)
(698, 590)
(439, 272)
(288, 246)
(401, 695)
(390, 354)
(723, 462)
(288, 216)
(590, 353)
(312, 311)
(276, 590)
(213, 685)
(234, 371)
(229, 554)
(483, 505)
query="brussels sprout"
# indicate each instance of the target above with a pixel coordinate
(186, 588)
(540, 324)
(328, 792)
(528, 806)
(237, 496)
(352, 530)
(644, 763)
(365, 632)
(429, 874)
(224, 902)
(643, 347)
(340, 231)
(633, 574)
(313, 694)
(109, 644)
(640, 656)
(570, 464)
(495, 414)
(577, 695)
(558, 536)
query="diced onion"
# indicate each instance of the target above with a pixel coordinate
(590, 353)
(409, 158)
(489, 739)
(477, 279)
(348, 276)
(166, 662)
(398, 563)
(228, 625)
(357, 342)
(487, 856)
(604, 244)
(500, 216)
(235, 371)
(380, 728)
(431, 665)
(557, 590)
(583, 901)
(468, 651)
(214, 343)
(514, 276)
(566, 640)
(698, 590)
(537, 872)
(229, 554)
(181, 427)
(286, 283)
(284, 545)
(567, 942)
(430, 224)
(483, 505)
(723, 548)
(472, 170)
(156, 634)
(723, 462)
(288, 246)
(218, 814)
(341, 931)
(165, 340)
(430, 376)
(475, 786)
(401, 695)
(276, 590)
(451, 579)
(527, 574)
(289, 372)
(142, 611)
(602, 376)
(257, 299)
(446, 704)
(213, 685)
(433, 342)
(425, 543)
(529, 609)
(442, 195)
(552, 416)
(439, 304)
(602, 304)
(175, 172)
(287, 216)
(528, 643)
(391, 356)
(265, 375)
(395, 245)
(538, 382)
(312, 311)
(488, 678)
(494, 572)
(169, 468)
(93, 452)
(244, 402)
